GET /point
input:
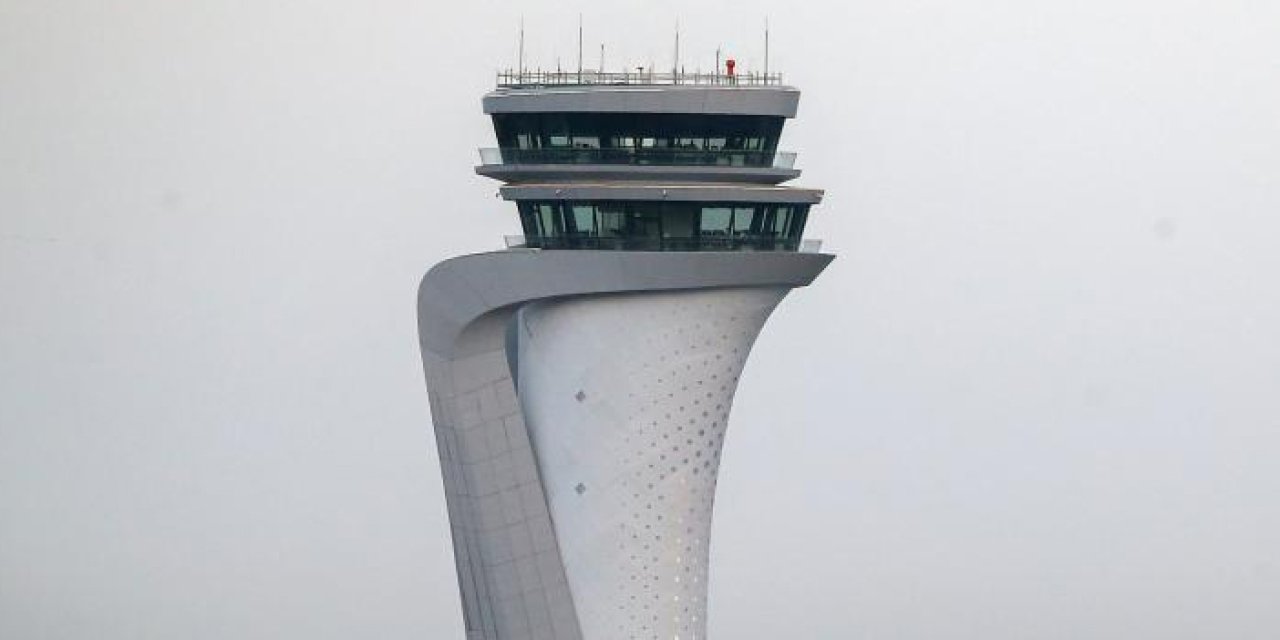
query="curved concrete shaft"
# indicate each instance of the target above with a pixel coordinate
(510, 560)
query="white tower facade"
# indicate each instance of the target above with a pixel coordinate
(581, 380)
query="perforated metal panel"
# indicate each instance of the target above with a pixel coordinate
(627, 399)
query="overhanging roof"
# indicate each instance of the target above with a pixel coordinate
(712, 100)
(672, 192)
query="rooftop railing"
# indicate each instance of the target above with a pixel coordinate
(625, 156)
(704, 243)
(513, 78)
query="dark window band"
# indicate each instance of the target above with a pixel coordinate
(662, 225)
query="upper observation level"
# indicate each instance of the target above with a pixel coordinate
(670, 127)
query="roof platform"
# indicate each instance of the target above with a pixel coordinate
(709, 99)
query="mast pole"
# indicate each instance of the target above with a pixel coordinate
(766, 50)
(675, 62)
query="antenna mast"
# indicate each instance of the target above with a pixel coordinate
(675, 62)
(521, 69)
(579, 48)
(766, 50)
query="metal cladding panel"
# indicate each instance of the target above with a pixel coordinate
(627, 400)
(509, 570)
(689, 99)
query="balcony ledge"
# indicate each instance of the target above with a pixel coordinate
(520, 173)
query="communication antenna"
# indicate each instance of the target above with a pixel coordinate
(716, 75)
(601, 69)
(579, 48)
(521, 69)
(766, 50)
(675, 62)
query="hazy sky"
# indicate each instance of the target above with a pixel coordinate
(1036, 396)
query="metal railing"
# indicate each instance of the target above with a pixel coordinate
(703, 243)
(660, 157)
(515, 78)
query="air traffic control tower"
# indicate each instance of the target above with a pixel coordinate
(580, 380)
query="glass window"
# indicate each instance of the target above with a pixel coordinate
(645, 220)
(716, 221)
(647, 225)
(528, 219)
(584, 219)
(742, 219)
(797, 222)
(549, 220)
(755, 132)
(677, 220)
(781, 219)
(612, 219)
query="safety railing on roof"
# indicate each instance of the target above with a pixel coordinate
(631, 156)
(514, 78)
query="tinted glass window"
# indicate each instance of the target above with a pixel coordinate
(613, 220)
(678, 220)
(781, 219)
(584, 219)
(717, 137)
(548, 219)
(717, 220)
(662, 225)
(743, 217)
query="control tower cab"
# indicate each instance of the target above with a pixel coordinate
(647, 162)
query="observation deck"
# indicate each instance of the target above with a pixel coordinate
(692, 164)
(647, 161)
(681, 127)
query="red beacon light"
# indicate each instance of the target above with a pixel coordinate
(729, 64)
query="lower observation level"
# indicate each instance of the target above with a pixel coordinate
(662, 226)
(652, 217)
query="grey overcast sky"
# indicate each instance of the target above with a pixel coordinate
(1036, 396)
